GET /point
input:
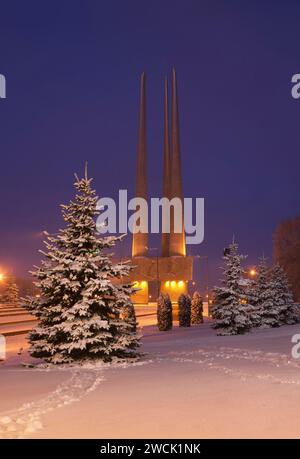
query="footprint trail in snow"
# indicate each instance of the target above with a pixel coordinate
(245, 364)
(27, 419)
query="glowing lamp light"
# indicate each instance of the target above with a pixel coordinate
(1, 277)
(143, 283)
(173, 284)
(167, 284)
(180, 284)
(252, 272)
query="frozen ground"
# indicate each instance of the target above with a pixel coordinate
(191, 383)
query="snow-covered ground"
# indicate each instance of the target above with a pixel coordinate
(191, 383)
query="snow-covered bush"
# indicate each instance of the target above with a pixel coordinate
(197, 309)
(128, 315)
(184, 310)
(164, 312)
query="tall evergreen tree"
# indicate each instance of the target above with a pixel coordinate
(81, 301)
(283, 298)
(230, 310)
(128, 315)
(268, 309)
(11, 292)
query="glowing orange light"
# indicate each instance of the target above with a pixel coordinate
(252, 272)
(180, 284)
(173, 284)
(1, 277)
(143, 283)
(167, 283)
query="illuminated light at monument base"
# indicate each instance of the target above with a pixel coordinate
(174, 288)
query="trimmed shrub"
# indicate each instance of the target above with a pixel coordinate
(164, 312)
(184, 313)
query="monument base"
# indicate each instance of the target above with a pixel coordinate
(170, 275)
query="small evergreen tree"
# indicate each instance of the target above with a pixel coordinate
(268, 308)
(283, 298)
(11, 292)
(197, 309)
(80, 303)
(164, 312)
(184, 312)
(230, 310)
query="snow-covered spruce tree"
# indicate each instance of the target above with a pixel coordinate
(269, 310)
(164, 312)
(197, 309)
(128, 315)
(80, 299)
(230, 310)
(184, 310)
(252, 302)
(11, 292)
(283, 298)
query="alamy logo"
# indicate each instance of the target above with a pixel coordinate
(177, 216)
(296, 347)
(2, 87)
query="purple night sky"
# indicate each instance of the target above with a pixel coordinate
(72, 71)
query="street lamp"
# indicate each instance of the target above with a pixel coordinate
(252, 272)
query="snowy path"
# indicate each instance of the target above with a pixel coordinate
(27, 419)
(191, 384)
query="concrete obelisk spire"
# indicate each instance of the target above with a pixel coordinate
(165, 239)
(177, 240)
(140, 240)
